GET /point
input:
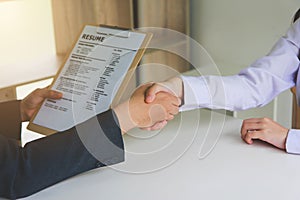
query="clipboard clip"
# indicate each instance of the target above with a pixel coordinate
(114, 31)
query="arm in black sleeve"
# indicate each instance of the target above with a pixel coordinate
(10, 119)
(49, 160)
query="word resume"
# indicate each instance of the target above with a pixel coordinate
(90, 77)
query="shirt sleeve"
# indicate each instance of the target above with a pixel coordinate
(10, 119)
(293, 141)
(254, 86)
(49, 160)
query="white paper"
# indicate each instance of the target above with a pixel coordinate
(91, 76)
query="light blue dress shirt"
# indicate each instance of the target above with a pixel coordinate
(254, 86)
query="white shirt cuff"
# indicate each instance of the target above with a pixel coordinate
(293, 141)
(196, 93)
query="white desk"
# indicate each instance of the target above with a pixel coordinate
(233, 170)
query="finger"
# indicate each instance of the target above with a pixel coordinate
(158, 125)
(170, 117)
(170, 107)
(252, 135)
(174, 110)
(146, 128)
(248, 138)
(244, 129)
(176, 101)
(250, 126)
(55, 94)
(253, 120)
(51, 94)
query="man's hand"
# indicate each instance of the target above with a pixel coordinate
(173, 86)
(264, 129)
(32, 102)
(163, 107)
(136, 113)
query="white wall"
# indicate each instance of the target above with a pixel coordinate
(237, 32)
(27, 37)
(27, 50)
(26, 31)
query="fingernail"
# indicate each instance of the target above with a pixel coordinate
(149, 98)
(58, 94)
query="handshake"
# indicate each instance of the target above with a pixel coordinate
(150, 106)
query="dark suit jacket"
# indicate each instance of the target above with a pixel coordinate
(44, 162)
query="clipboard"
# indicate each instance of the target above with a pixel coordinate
(95, 35)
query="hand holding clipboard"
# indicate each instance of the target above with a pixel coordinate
(90, 77)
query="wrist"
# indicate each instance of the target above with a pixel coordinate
(23, 115)
(123, 115)
(285, 135)
(177, 84)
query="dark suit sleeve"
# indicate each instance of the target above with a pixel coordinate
(44, 162)
(10, 119)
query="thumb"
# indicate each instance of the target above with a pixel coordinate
(54, 94)
(151, 92)
(48, 93)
